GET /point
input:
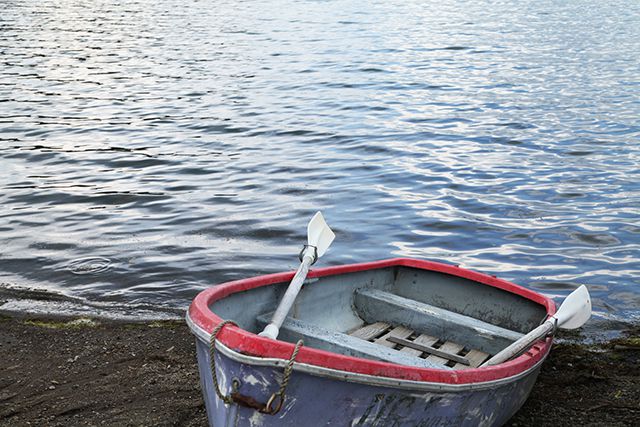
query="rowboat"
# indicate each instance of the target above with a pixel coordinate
(387, 343)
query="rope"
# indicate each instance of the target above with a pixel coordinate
(212, 352)
(268, 408)
(278, 396)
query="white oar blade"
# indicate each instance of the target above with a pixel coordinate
(319, 234)
(575, 310)
(573, 313)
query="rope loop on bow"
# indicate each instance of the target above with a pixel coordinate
(275, 402)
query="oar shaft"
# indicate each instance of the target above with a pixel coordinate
(521, 344)
(272, 329)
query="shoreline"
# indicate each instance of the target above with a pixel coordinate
(69, 370)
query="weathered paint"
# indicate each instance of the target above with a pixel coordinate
(317, 400)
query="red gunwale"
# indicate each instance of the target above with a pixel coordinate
(251, 344)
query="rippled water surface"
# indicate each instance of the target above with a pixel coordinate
(150, 149)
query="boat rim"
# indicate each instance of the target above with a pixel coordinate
(354, 377)
(252, 345)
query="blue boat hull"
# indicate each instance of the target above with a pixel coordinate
(327, 398)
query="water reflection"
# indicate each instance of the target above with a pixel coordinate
(186, 145)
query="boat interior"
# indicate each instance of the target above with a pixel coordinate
(397, 314)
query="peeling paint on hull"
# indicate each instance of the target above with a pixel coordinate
(318, 400)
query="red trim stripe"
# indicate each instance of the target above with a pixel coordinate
(251, 344)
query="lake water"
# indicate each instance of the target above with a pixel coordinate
(150, 149)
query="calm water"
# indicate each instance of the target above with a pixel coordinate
(151, 149)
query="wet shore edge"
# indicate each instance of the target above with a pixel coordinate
(66, 370)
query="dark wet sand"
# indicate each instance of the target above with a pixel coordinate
(61, 372)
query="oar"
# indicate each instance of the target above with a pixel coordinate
(319, 238)
(573, 313)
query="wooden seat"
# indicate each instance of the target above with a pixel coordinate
(374, 305)
(432, 349)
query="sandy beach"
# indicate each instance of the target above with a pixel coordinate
(88, 371)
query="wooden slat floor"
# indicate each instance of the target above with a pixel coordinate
(379, 332)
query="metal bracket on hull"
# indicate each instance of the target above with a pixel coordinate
(275, 402)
